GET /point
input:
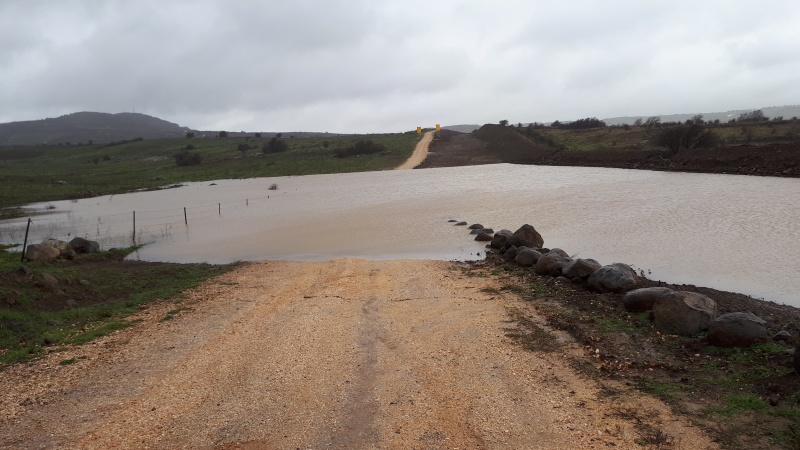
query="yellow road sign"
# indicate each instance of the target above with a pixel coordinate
(419, 130)
(438, 127)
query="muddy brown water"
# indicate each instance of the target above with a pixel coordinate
(735, 233)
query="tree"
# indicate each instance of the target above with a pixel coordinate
(258, 135)
(504, 122)
(696, 119)
(753, 116)
(189, 135)
(637, 122)
(652, 122)
(222, 134)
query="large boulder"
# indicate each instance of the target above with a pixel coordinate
(56, 244)
(526, 236)
(683, 313)
(81, 245)
(41, 252)
(552, 263)
(527, 257)
(500, 238)
(613, 278)
(738, 329)
(511, 253)
(643, 299)
(581, 268)
(481, 230)
(483, 237)
(475, 226)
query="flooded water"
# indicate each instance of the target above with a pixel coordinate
(735, 233)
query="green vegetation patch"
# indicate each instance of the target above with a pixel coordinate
(47, 173)
(94, 297)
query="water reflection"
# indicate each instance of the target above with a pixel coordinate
(731, 232)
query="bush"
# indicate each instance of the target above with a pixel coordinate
(686, 136)
(580, 124)
(275, 145)
(360, 148)
(243, 147)
(185, 158)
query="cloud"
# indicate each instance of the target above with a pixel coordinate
(382, 66)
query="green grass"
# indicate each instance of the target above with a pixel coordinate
(62, 172)
(32, 321)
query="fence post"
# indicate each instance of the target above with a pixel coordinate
(133, 235)
(25, 245)
(219, 208)
(185, 219)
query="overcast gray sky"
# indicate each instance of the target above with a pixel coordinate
(385, 66)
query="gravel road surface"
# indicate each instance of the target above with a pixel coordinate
(346, 353)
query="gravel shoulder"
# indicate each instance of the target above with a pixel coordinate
(347, 353)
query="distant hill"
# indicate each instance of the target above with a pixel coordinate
(787, 112)
(83, 127)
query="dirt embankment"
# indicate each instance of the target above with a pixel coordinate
(338, 354)
(497, 144)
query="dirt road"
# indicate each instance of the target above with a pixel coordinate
(340, 354)
(420, 153)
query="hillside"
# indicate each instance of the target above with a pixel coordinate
(773, 150)
(83, 127)
(787, 112)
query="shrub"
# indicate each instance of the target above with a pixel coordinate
(686, 136)
(360, 148)
(275, 145)
(222, 134)
(185, 158)
(243, 147)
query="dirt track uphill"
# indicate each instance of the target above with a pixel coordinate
(339, 354)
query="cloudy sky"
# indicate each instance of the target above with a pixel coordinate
(385, 66)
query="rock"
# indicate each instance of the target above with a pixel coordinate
(50, 282)
(84, 283)
(737, 329)
(68, 253)
(452, 221)
(613, 278)
(23, 270)
(526, 236)
(56, 244)
(551, 263)
(38, 252)
(581, 268)
(81, 245)
(483, 237)
(475, 226)
(527, 257)
(500, 238)
(511, 253)
(562, 279)
(482, 230)
(683, 313)
(782, 335)
(643, 299)
(459, 224)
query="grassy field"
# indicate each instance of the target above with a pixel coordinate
(36, 174)
(94, 295)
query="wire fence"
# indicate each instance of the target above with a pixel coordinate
(120, 229)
